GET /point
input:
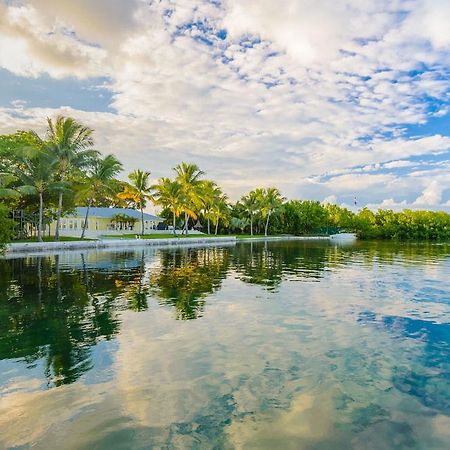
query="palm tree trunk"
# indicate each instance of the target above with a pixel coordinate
(174, 223)
(267, 224)
(217, 226)
(251, 225)
(209, 230)
(186, 223)
(86, 219)
(142, 221)
(41, 209)
(58, 216)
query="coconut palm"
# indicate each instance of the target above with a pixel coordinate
(71, 143)
(37, 178)
(270, 200)
(7, 191)
(101, 174)
(250, 204)
(138, 191)
(189, 177)
(169, 194)
(210, 194)
(219, 211)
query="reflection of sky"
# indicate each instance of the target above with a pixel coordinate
(308, 365)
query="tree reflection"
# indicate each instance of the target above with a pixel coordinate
(55, 309)
(57, 314)
(186, 276)
(136, 290)
(267, 264)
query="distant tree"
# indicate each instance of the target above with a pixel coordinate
(220, 211)
(72, 144)
(303, 217)
(169, 194)
(98, 181)
(7, 226)
(210, 194)
(270, 200)
(38, 178)
(189, 177)
(250, 203)
(138, 191)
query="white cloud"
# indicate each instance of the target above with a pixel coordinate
(330, 199)
(291, 95)
(432, 194)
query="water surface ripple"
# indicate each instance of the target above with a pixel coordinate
(281, 345)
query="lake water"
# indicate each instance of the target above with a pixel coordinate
(282, 345)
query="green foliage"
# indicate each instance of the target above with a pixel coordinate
(405, 225)
(303, 217)
(7, 226)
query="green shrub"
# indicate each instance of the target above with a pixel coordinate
(7, 226)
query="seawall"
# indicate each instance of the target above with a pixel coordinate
(44, 247)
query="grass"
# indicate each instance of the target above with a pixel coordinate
(49, 239)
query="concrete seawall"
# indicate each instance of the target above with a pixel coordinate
(44, 247)
(27, 248)
(285, 238)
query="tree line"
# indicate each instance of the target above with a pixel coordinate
(51, 175)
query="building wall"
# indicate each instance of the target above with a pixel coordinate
(73, 226)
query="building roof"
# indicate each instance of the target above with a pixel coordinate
(107, 213)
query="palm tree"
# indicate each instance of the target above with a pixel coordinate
(37, 178)
(169, 194)
(270, 200)
(6, 189)
(138, 191)
(101, 174)
(189, 177)
(210, 194)
(221, 211)
(250, 204)
(72, 144)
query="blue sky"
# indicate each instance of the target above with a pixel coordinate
(326, 100)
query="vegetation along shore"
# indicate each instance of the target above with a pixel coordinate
(47, 177)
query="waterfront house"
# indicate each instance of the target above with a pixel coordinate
(106, 221)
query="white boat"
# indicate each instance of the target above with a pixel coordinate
(343, 237)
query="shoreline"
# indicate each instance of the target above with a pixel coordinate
(26, 248)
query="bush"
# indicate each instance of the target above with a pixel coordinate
(7, 226)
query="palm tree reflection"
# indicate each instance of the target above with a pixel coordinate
(186, 276)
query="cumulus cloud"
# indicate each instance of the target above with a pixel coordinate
(311, 97)
(431, 195)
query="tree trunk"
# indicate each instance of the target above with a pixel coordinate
(142, 221)
(86, 219)
(267, 223)
(209, 231)
(251, 225)
(186, 223)
(41, 211)
(174, 223)
(217, 226)
(58, 216)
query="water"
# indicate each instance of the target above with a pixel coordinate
(286, 345)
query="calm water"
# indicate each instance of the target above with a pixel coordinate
(288, 345)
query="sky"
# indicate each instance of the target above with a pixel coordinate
(326, 100)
